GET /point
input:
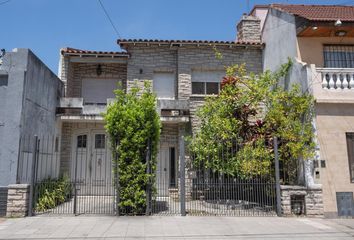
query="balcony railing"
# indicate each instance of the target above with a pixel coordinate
(337, 78)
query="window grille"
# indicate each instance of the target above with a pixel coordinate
(338, 56)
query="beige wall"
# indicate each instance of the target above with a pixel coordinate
(311, 48)
(333, 121)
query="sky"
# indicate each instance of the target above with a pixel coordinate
(45, 26)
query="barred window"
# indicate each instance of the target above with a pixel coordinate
(338, 56)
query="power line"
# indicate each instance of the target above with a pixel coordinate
(1, 3)
(109, 19)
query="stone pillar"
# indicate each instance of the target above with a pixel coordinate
(17, 200)
(313, 201)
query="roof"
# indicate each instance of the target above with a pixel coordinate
(123, 42)
(74, 51)
(319, 12)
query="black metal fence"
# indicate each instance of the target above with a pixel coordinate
(3, 201)
(80, 180)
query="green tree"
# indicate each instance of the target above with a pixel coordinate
(133, 125)
(241, 122)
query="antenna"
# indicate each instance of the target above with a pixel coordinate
(248, 5)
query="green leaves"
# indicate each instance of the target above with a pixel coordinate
(132, 122)
(52, 192)
(250, 110)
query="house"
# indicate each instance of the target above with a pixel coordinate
(182, 74)
(320, 41)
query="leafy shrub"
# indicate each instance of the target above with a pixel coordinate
(52, 192)
(133, 125)
(242, 121)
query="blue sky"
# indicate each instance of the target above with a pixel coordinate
(45, 26)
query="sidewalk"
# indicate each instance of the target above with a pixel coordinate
(175, 227)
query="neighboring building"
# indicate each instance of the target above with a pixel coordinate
(29, 94)
(182, 73)
(320, 41)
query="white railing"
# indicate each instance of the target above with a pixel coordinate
(337, 78)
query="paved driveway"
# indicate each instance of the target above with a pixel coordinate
(175, 227)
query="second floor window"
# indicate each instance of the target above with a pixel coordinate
(97, 91)
(206, 82)
(338, 56)
(164, 85)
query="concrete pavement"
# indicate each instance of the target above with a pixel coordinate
(175, 227)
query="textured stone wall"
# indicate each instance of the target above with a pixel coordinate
(17, 200)
(249, 29)
(313, 200)
(78, 71)
(146, 60)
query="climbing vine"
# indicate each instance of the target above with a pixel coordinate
(133, 126)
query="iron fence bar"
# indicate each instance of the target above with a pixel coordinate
(182, 172)
(33, 176)
(116, 159)
(277, 177)
(75, 182)
(148, 170)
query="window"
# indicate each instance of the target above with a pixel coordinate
(81, 141)
(96, 91)
(206, 82)
(4, 80)
(164, 85)
(100, 141)
(350, 147)
(338, 56)
(173, 182)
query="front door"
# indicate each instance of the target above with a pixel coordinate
(101, 175)
(162, 173)
(91, 165)
(166, 171)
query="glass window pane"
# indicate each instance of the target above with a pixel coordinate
(212, 88)
(81, 141)
(198, 88)
(100, 141)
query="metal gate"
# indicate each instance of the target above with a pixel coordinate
(180, 187)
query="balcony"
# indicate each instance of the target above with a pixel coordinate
(337, 78)
(332, 85)
(173, 111)
(75, 109)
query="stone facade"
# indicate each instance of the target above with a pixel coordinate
(17, 200)
(144, 61)
(147, 59)
(310, 197)
(249, 29)
(78, 71)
